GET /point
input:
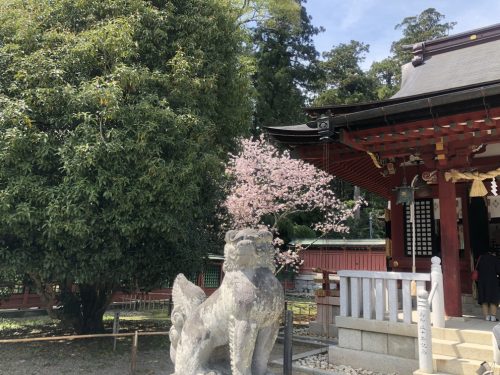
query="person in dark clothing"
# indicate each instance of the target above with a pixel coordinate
(488, 268)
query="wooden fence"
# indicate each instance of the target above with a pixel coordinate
(135, 341)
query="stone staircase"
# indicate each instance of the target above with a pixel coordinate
(460, 352)
(470, 306)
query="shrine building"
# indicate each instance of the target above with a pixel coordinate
(440, 134)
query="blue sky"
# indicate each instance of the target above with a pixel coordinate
(373, 21)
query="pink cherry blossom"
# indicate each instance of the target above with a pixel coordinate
(270, 183)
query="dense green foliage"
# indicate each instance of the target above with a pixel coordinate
(115, 118)
(248, 12)
(344, 81)
(286, 69)
(427, 25)
(387, 75)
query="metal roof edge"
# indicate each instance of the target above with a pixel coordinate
(344, 108)
(462, 34)
(339, 242)
(434, 101)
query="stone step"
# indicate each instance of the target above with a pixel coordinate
(471, 307)
(464, 335)
(467, 298)
(447, 365)
(463, 350)
(458, 366)
(474, 310)
(418, 372)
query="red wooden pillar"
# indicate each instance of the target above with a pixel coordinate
(466, 284)
(449, 247)
(397, 231)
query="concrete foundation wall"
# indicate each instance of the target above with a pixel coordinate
(377, 345)
(319, 329)
(372, 361)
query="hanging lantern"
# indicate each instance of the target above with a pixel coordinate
(404, 194)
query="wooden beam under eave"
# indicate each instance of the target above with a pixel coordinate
(471, 138)
(486, 162)
(438, 122)
(381, 146)
(346, 139)
(398, 146)
(347, 159)
(362, 179)
(402, 153)
(424, 135)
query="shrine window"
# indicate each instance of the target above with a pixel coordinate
(212, 276)
(424, 229)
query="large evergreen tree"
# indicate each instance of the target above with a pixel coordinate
(286, 68)
(427, 25)
(344, 81)
(115, 117)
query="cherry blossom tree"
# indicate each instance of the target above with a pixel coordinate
(270, 184)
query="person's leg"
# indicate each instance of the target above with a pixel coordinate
(493, 311)
(485, 307)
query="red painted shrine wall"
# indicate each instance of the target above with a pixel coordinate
(334, 259)
(403, 263)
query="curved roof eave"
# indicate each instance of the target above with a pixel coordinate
(302, 134)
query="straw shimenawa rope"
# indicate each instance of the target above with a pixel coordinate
(478, 189)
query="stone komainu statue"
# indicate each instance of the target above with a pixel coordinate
(234, 330)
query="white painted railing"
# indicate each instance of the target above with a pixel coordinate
(374, 294)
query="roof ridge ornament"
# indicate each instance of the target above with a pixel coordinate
(418, 52)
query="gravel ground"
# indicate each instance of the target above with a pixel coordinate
(320, 361)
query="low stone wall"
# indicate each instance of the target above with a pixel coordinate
(376, 345)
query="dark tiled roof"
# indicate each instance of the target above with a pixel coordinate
(458, 62)
(476, 64)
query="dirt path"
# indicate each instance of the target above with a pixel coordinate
(93, 357)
